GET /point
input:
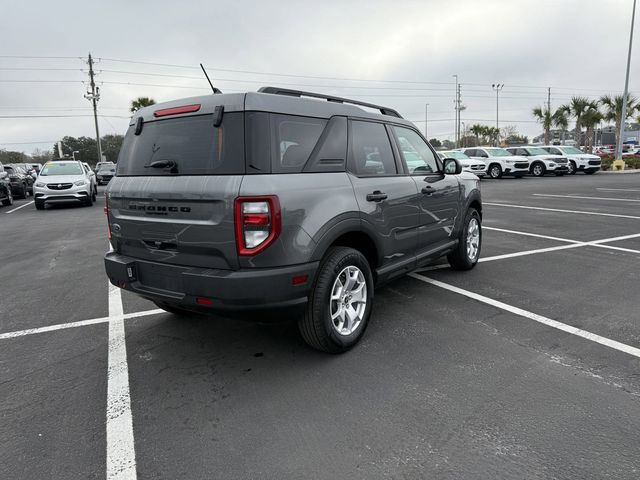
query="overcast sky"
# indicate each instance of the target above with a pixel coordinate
(573, 46)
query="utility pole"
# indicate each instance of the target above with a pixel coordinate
(549, 100)
(93, 96)
(497, 87)
(455, 102)
(459, 109)
(426, 120)
(618, 164)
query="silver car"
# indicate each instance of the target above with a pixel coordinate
(64, 181)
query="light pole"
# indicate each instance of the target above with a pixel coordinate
(426, 120)
(455, 102)
(497, 87)
(464, 135)
(73, 154)
(618, 164)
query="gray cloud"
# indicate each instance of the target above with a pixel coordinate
(575, 46)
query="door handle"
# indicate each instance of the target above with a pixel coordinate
(376, 196)
(428, 190)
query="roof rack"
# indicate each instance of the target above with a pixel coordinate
(329, 98)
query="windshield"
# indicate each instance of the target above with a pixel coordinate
(497, 152)
(537, 151)
(107, 169)
(61, 168)
(9, 169)
(571, 150)
(456, 155)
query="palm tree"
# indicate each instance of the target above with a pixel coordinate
(561, 121)
(477, 130)
(613, 110)
(545, 117)
(590, 119)
(576, 109)
(140, 102)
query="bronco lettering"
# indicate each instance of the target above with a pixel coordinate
(159, 208)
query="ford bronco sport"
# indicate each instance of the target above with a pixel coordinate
(284, 201)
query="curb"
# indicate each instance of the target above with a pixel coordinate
(630, 171)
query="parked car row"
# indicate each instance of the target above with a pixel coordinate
(497, 162)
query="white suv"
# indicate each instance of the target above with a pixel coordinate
(64, 181)
(578, 160)
(541, 161)
(476, 167)
(499, 162)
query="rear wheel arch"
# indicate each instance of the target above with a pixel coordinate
(350, 233)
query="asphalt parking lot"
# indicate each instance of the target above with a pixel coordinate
(526, 367)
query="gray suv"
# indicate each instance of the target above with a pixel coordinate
(283, 201)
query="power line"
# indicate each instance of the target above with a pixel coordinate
(40, 57)
(279, 83)
(253, 72)
(62, 116)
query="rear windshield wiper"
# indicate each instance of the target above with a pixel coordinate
(170, 164)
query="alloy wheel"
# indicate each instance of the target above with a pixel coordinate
(348, 301)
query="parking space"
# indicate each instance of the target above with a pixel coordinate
(525, 367)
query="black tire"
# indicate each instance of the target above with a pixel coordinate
(538, 169)
(176, 310)
(494, 171)
(94, 194)
(459, 259)
(39, 205)
(7, 202)
(316, 326)
(572, 167)
(25, 191)
(89, 201)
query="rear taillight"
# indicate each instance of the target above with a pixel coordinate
(106, 211)
(258, 223)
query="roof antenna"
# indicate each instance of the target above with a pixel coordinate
(215, 90)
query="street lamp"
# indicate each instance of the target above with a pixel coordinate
(497, 87)
(73, 154)
(618, 164)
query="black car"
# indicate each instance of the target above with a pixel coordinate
(105, 173)
(21, 182)
(6, 197)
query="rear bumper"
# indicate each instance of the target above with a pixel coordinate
(229, 291)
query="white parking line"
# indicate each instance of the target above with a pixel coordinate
(619, 189)
(560, 210)
(81, 323)
(537, 235)
(533, 316)
(21, 206)
(121, 456)
(609, 199)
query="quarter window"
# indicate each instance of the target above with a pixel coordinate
(371, 152)
(419, 158)
(295, 138)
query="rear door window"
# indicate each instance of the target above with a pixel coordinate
(192, 143)
(371, 152)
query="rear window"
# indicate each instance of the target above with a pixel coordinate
(192, 143)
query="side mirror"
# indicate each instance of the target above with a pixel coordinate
(452, 167)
